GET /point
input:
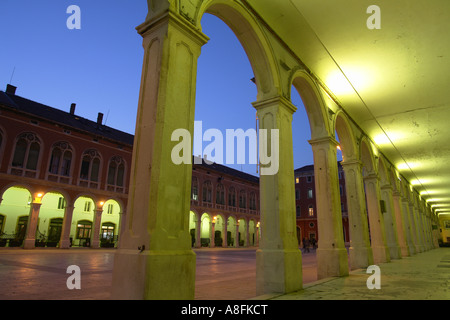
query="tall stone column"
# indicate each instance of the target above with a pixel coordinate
(123, 217)
(257, 235)
(413, 221)
(225, 234)
(376, 221)
(237, 238)
(408, 226)
(155, 259)
(390, 223)
(426, 228)
(30, 237)
(360, 252)
(332, 257)
(278, 259)
(198, 232)
(400, 224)
(247, 234)
(95, 235)
(212, 237)
(67, 223)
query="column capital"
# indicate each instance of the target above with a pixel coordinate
(351, 164)
(396, 193)
(325, 140)
(275, 101)
(371, 176)
(36, 205)
(387, 186)
(170, 17)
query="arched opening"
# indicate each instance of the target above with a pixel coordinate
(205, 230)
(110, 224)
(14, 211)
(314, 135)
(243, 237)
(193, 227)
(232, 235)
(82, 222)
(51, 216)
(372, 193)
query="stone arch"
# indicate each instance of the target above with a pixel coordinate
(383, 172)
(314, 104)
(16, 185)
(367, 157)
(346, 136)
(205, 228)
(219, 229)
(252, 39)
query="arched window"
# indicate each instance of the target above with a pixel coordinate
(232, 197)
(207, 191)
(60, 162)
(90, 169)
(194, 189)
(242, 199)
(220, 194)
(26, 155)
(252, 198)
(116, 173)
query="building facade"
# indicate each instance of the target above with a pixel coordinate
(306, 208)
(64, 183)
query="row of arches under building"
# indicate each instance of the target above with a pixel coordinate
(49, 214)
(219, 230)
(207, 230)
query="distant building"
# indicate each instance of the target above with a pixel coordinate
(306, 209)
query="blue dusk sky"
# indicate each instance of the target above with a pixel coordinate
(98, 67)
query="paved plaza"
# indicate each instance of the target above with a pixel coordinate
(222, 274)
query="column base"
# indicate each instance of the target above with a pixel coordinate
(278, 271)
(360, 257)
(380, 254)
(29, 243)
(395, 252)
(405, 251)
(64, 244)
(154, 275)
(331, 263)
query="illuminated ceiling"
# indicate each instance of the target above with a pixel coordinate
(398, 76)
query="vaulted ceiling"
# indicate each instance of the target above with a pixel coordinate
(393, 81)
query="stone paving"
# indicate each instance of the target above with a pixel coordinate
(222, 274)
(424, 276)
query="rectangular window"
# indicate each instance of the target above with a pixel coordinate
(87, 206)
(61, 203)
(309, 179)
(194, 193)
(310, 194)
(311, 211)
(110, 208)
(297, 180)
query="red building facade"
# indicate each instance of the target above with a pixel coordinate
(305, 199)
